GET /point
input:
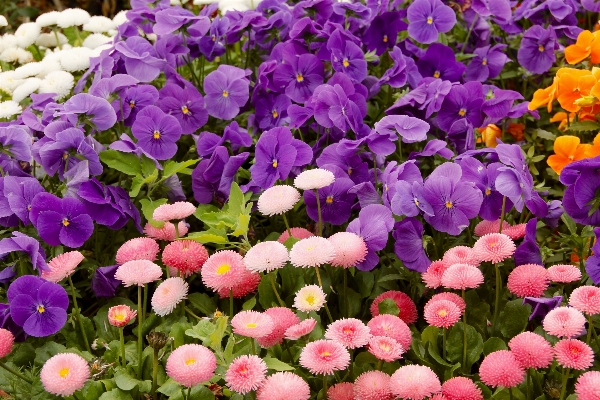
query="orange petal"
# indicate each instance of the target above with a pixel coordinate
(580, 151)
(557, 163)
(566, 145)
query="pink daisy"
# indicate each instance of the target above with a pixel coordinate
(393, 327)
(137, 249)
(305, 327)
(438, 396)
(461, 388)
(414, 382)
(312, 252)
(564, 273)
(309, 298)
(485, 227)
(191, 364)
(266, 257)
(283, 318)
(408, 309)
(167, 232)
(531, 350)
(252, 324)
(385, 348)
(453, 297)
(442, 313)
(433, 276)
(501, 368)
(528, 280)
(64, 374)
(373, 385)
(168, 294)
(564, 322)
(120, 315)
(175, 211)
(314, 179)
(224, 269)
(586, 299)
(62, 266)
(283, 386)
(298, 233)
(187, 256)
(460, 255)
(515, 232)
(573, 353)
(350, 249)
(277, 200)
(349, 332)
(462, 276)
(324, 357)
(245, 373)
(341, 391)
(248, 283)
(6, 342)
(588, 386)
(494, 247)
(138, 272)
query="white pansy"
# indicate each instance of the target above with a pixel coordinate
(99, 24)
(27, 70)
(49, 39)
(8, 82)
(27, 33)
(96, 40)
(72, 17)
(47, 19)
(120, 18)
(26, 88)
(59, 82)
(9, 108)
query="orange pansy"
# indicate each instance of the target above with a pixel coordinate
(594, 149)
(516, 130)
(581, 50)
(573, 85)
(545, 96)
(567, 149)
(489, 135)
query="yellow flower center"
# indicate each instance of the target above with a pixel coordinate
(275, 114)
(120, 317)
(65, 222)
(385, 346)
(225, 93)
(346, 63)
(185, 110)
(299, 77)
(191, 361)
(436, 74)
(310, 299)
(156, 135)
(223, 269)
(251, 325)
(348, 330)
(462, 112)
(325, 354)
(132, 104)
(41, 309)
(274, 164)
(430, 20)
(484, 61)
(64, 372)
(329, 200)
(449, 204)
(488, 191)
(416, 202)
(65, 155)
(349, 171)
(214, 38)
(541, 48)
(442, 313)
(385, 39)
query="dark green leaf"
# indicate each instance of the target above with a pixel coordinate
(266, 296)
(513, 318)
(249, 305)
(125, 381)
(569, 223)
(454, 344)
(388, 306)
(116, 394)
(493, 344)
(203, 303)
(584, 126)
(127, 163)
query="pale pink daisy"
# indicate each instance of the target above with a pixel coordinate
(484, 227)
(349, 332)
(531, 350)
(176, 211)
(187, 256)
(453, 297)
(6, 342)
(341, 391)
(350, 249)
(121, 315)
(297, 233)
(223, 270)
(494, 247)
(501, 368)
(62, 266)
(565, 322)
(461, 388)
(167, 232)
(191, 364)
(528, 280)
(460, 255)
(137, 249)
(324, 357)
(266, 257)
(64, 374)
(433, 276)
(138, 272)
(393, 327)
(245, 373)
(462, 276)
(442, 313)
(303, 328)
(283, 386)
(283, 318)
(314, 179)
(385, 348)
(168, 294)
(573, 353)
(277, 200)
(252, 324)
(373, 385)
(414, 382)
(588, 386)
(248, 283)
(586, 299)
(312, 252)
(515, 232)
(408, 309)
(564, 273)
(309, 298)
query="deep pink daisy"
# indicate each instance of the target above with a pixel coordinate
(245, 373)
(528, 280)
(303, 328)
(586, 299)
(283, 386)
(6, 342)
(564, 322)
(312, 252)
(138, 273)
(62, 266)
(266, 257)
(484, 227)
(187, 256)
(137, 249)
(460, 255)
(531, 350)
(462, 276)
(494, 247)
(393, 327)
(167, 232)
(350, 249)
(433, 276)
(453, 297)
(173, 212)
(283, 318)
(373, 385)
(191, 364)
(588, 386)
(349, 332)
(298, 233)
(64, 374)
(324, 357)
(414, 382)
(501, 368)
(385, 348)
(564, 273)
(341, 391)
(573, 353)
(277, 200)
(252, 324)
(168, 294)
(408, 309)
(223, 270)
(442, 313)
(515, 232)
(248, 283)
(461, 388)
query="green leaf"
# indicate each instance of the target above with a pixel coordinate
(266, 296)
(136, 185)
(203, 303)
(454, 344)
(514, 318)
(249, 305)
(545, 134)
(148, 207)
(92, 390)
(584, 126)
(125, 381)
(202, 330)
(169, 388)
(205, 209)
(200, 392)
(493, 344)
(571, 225)
(290, 242)
(430, 334)
(388, 306)
(217, 336)
(277, 365)
(434, 352)
(172, 168)
(178, 330)
(116, 394)
(42, 354)
(127, 163)
(216, 236)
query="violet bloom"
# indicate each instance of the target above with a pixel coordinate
(99, 203)
(347, 57)
(61, 221)
(410, 129)
(109, 88)
(212, 178)
(374, 223)
(498, 103)
(354, 166)
(211, 45)
(39, 306)
(298, 75)
(187, 105)
(207, 142)
(127, 145)
(515, 181)
(591, 5)
(487, 63)
(439, 61)
(104, 283)
(463, 102)
(15, 143)
(336, 202)
(542, 305)
(19, 193)
(382, 33)
(408, 235)
(397, 75)
(227, 90)
(536, 53)
(271, 110)
(428, 18)
(6, 322)
(409, 200)
(140, 58)
(20, 242)
(157, 132)
(433, 147)
(135, 99)
(276, 153)
(85, 108)
(592, 266)
(499, 10)
(172, 19)
(528, 252)
(454, 201)
(339, 105)
(484, 177)
(555, 210)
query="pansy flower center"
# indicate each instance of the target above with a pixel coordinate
(349, 171)
(385, 38)
(275, 114)
(299, 77)
(429, 20)
(214, 38)
(346, 63)
(65, 155)
(462, 112)
(541, 48)
(225, 93)
(416, 201)
(64, 372)
(156, 135)
(65, 222)
(488, 191)
(449, 204)
(484, 61)
(223, 269)
(329, 200)
(436, 74)
(41, 309)
(132, 104)
(274, 164)
(185, 110)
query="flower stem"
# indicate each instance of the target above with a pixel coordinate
(320, 224)
(510, 396)
(464, 335)
(189, 393)
(78, 316)
(444, 343)
(346, 303)
(122, 340)
(502, 215)
(464, 46)
(176, 225)
(187, 310)
(253, 347)
(287, 225)
(155, 375)
(145, 299)
(281, 302)
(563, 390)
(140, 336)
(321, 285)
(324, 386)
(528, 388)
(15, 373)
(590, 329)
(497, 302)
(230, 303)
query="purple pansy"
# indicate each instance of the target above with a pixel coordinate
(210, 45)
(410, 129)
(463, 102)
(439, 61)
(157, 133)
(212, 178)
(499, 10)
(528, 252)
(104, 283)
(542, 305)
(484, 177)
(487, 63)
(19, 193)
(271, 110)
(15, 142)
(409, 200)
(227, 90)
(22, 243)
(298, 75)
(85, 108)
(135, 99)
(536, 52)
(382, 33)
(185, 104)
(336, 202)
(338, 104)
(6, 322)
(347, 57)
(428, 18)
(140, 58)
(170, 20)
(408, 235)
(514, 181)
(207, 142)
(374, 223)
(354, 166)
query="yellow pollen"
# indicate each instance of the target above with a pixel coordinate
(436, 74)
(541, 48)
(488, 191)
(329, 200)
(299, 78)
(462, 112)
(416, 202)
(348, 330)
(251, 325)
(156, 135)
(275, 114)
(442, 313)
(385, 347)
(492, 244)
(274, 164)
(225, 93)
(120, 317)
(349, 171)
(214, 38)
(132, 104)
(185, 110)
(41, 309)
(310, 299)
(430, 20)
(29, 207)
(64, 372)
(223, 269)
(65, 222)
(65, 156)
(346, 63)
(385, 39)
(325, 354)
(448, 204)
(484, 61)
(190, 362)
(571, 158)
